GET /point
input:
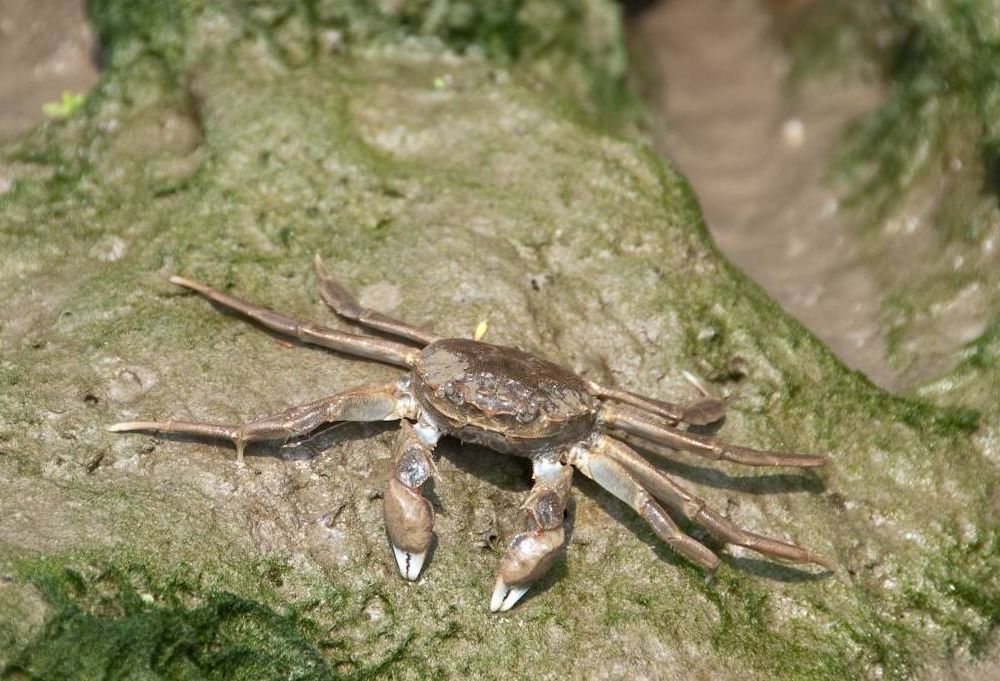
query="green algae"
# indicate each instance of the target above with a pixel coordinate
(939, 60)
(575, 48)
(919, 172)
(122, 622)
(233, 159)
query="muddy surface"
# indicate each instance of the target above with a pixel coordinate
(446, 191)
(755, 152)
(756, 157)
(46, 48)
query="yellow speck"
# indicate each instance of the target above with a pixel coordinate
(70, 102)
(481, 330)
(440, 83)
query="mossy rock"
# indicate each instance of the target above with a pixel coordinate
(919, 171)
(448, 188)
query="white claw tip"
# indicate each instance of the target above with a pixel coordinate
(119, 427)
(504, 596)
(409, 563)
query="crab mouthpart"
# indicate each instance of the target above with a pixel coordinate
(409, 562)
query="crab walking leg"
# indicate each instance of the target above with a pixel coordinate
(532, 551)
(308, 332)
(409, 517)
(381, 403)
(614, 477)
(698, 414)
(343, 302)
(671, 492)
(670, 452)
(636, 423)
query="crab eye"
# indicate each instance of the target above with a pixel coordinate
(528, 412)
(452, 393)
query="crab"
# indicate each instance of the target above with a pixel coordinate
(513, 402)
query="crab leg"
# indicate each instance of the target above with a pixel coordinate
(308, 332)
(343, 302)
(531, 552)
(697, 414)
(671, 492)
(409, 517)
(381, 403)
(590, 460)
(649, 428)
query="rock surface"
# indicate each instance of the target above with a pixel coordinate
(447, 189)
(919, 172)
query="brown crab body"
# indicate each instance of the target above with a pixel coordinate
(501, 397)
(509, 401)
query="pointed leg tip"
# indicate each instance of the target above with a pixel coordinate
(809, 460)
(505, 597)
(825, 563)
(409, 563)
(126, 426)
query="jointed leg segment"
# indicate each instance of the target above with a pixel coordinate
(591, 460)
(343, 302)
(648, 428)
(700, 413)
(531, 552)
(381, 403)
(669, 491)
(308, 332)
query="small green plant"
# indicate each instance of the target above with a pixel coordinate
(66, 106)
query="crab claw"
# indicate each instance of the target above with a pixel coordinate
(409, 517)
(529, 556)
(409, 521)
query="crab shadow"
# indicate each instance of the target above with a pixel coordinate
(506, 472)
(512, 475)
(755, 482)
(760, 567)
(805, 481)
